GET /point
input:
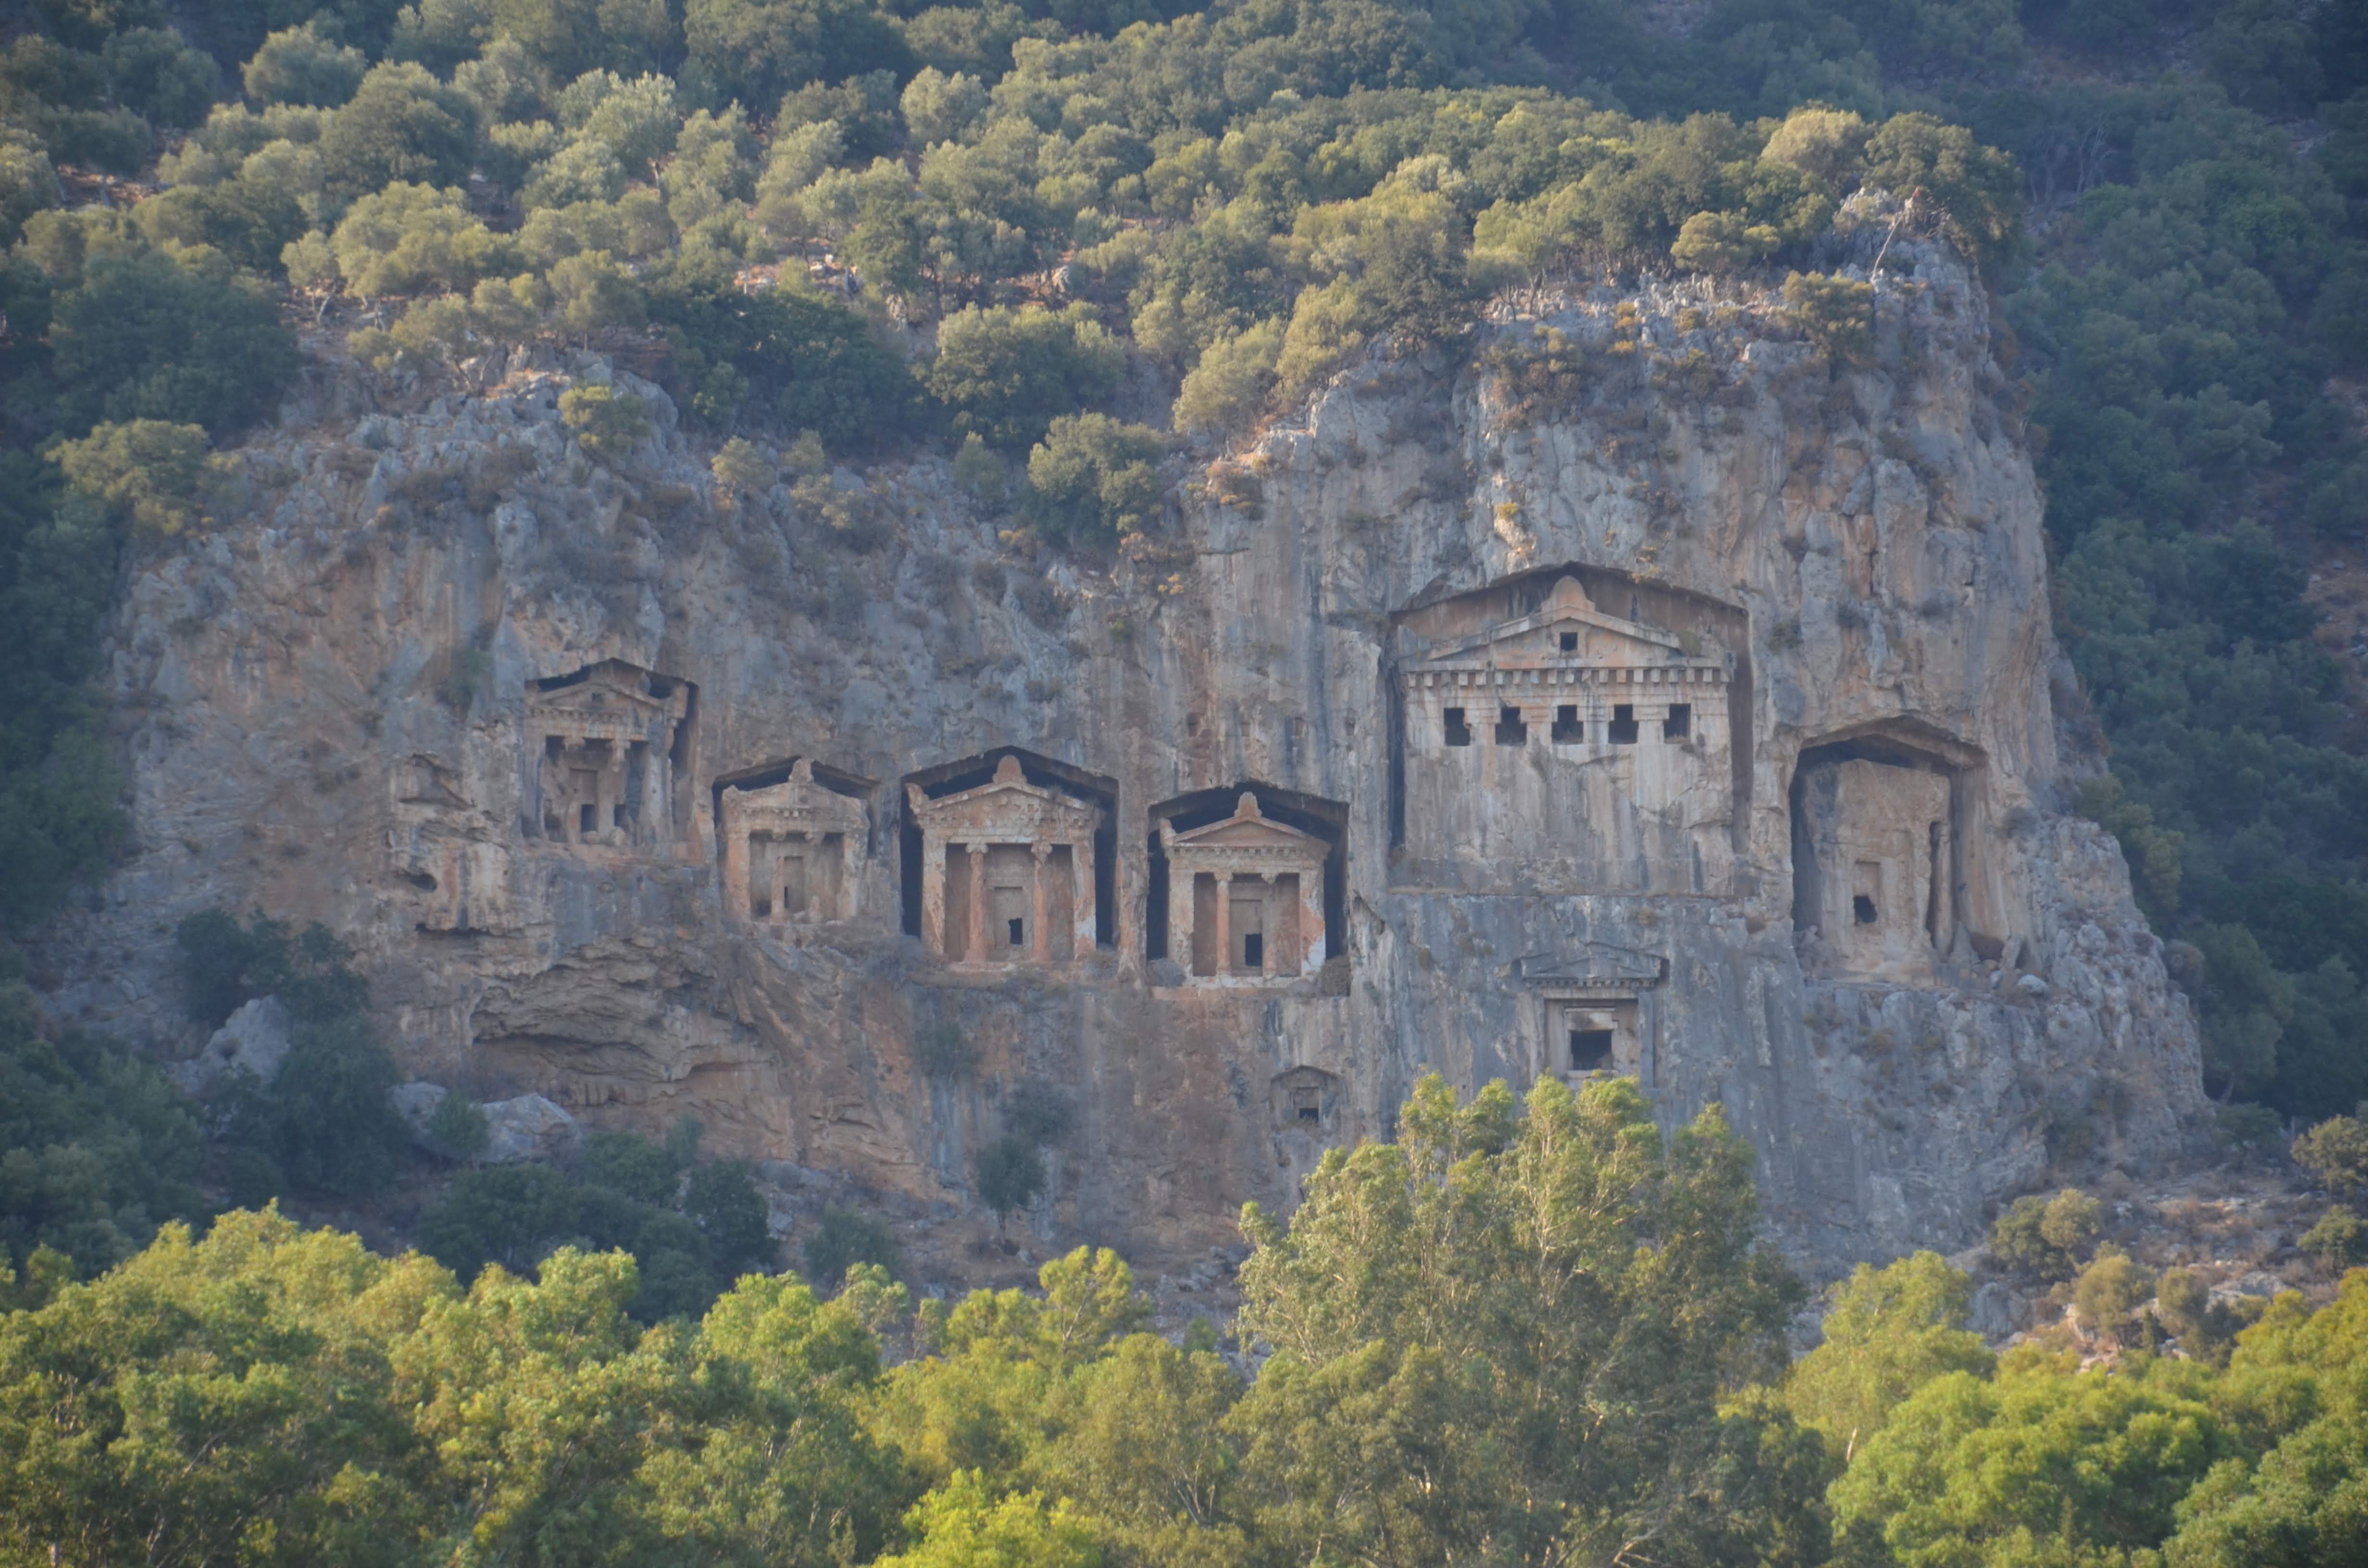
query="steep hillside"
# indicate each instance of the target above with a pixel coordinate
(638, 792)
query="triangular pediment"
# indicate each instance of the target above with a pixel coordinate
(1249, 829)
(611, 687)
(1591, 964)
(1529, 638)
(1009, 796)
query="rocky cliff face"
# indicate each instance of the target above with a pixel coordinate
(1654, 697)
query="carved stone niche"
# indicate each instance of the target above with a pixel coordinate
(1006, 871)
(1245, 899)
(1890, 880)
(1565, 749)
(1876, 880)
(794, 852)
(1301, 1099)
(1597, 1011)
(608, 743)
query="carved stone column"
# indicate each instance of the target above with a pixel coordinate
(933, 895)
(977, 923)
(1311, 922)
(1040, 939)
(1179, 914)
(1081, 900)
(1224, 925)
(735, 860)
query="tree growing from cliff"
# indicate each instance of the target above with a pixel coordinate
(1010, 1173)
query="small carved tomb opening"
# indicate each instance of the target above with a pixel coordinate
(1593, 1034)
(1569, 729)
(1590, 1049)
(1510, 731)
(1623, 725)
(1569, 642)
(1459, 734)
(1680, 723)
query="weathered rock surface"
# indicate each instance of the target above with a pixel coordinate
(254, 1039)
(335, 712)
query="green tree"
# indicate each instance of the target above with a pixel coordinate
(604, 419)
(147, 337)
(962, 1525)
(1094, 478)
(152, 473)
(304, 65)
(1010, 1174)
(847, 1238)
(1007, 374)
(401, 125)
(1888, 1332)
(2335, 1152)
(756, 50)
(1511, 1327)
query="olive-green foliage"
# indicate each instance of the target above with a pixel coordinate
(2110, 1288)
(95, 1148)
(324, 1124)
(1007, 374)
(149, 336)
(756, 50)
(2047, 1237)
(303, 65)
(2340, 1240)
(400, 125)
(800, 360)
(1887, 1334)
(1010, 1173)
(459, 1127)
(1095, 478)
(1835, 314)
(149, 473)
(406, 238)
(963, 1523)
(689, 1239)
(2335, 1152)
(1449, 1312)
(267, 1384)
(606, 420)
(846, 1238)
(1971, 1470)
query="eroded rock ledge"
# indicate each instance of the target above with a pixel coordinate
(1678, 704)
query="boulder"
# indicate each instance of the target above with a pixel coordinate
(530, 1128)
(254, 1039)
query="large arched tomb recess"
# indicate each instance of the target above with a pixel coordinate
(1890, 849)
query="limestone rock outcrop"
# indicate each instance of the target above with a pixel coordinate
(1683, 703)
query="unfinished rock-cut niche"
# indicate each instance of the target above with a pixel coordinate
(1301, 1099)
(1246, 885)
(612, 758)
(1569, 730)
(1884, 831)
(795, 842)
(1010, 858)
(1597, 1012)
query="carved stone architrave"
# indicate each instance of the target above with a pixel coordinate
(998, 827)
(1597, 998)
(602, 775)
(793, 843)
(1272, 873)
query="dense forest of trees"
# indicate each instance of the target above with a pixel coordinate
(1521, 1334)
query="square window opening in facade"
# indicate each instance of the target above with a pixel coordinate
(1569, 729)
(1459, 734)
(1679, 723)
(1623, 725)
(1510, 731)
